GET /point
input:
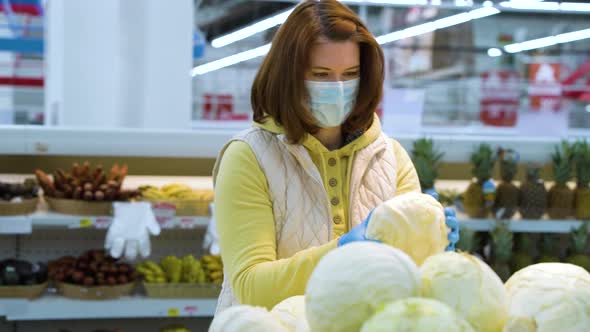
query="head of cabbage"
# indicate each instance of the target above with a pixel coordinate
(243, 318)
(417, 315)
(413, 222)
(469, 286)
(549, 297)
(350, 283)
(290, 312)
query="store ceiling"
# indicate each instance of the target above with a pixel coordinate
(218, 17)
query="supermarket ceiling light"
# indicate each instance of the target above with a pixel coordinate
(251, 29)
(230, 60)
(494, 52)
(387, 2)
(547, 6)
(437, 24)
(575, 7)
(548, 41)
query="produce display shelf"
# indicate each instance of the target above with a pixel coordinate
(18, 224)
(52, 307)
(24, 224)
(205, 141)
(523, 226)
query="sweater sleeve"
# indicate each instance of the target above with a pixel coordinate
(407, 178)
(246, 227)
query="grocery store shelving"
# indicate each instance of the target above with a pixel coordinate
(52, 307)
(207, 142)
(51, 219)
(25, 224)
(523, 226)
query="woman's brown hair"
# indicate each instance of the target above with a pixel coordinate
(279, 90)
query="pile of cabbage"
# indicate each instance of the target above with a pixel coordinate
(379, 287)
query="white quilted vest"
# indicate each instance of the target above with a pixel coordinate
(301, 207)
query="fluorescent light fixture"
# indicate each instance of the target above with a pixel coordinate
(531, 5)
(231, 60)
(573, 36)
(494, 52)
(451, 20)
(463, 3)
(531, 44)
(548, 41)
(252, 29)
(388, 2)
(488, 3)
(483, 12)
(437, 24)
(575, 7)
(547, 6)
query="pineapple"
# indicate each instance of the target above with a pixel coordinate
(561, 196)
(474, 200)
(579, 242)
(448, 197)
(582, 193)
(533, 195)
(467, 240)
(427, 162)
(549, 249)
(502, 240)
(507, 194)
(523, 256)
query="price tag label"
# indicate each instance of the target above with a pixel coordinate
(173, 312)
(164, 213)
(187, 222)
(85, 223)
(103, 223)
(191, 310)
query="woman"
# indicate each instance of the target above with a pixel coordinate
(303, 180)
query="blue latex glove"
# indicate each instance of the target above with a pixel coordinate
(357, 233)
(450, 220)
(453, 224)
(432, 193)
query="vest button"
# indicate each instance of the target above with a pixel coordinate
(337, 220)
(335, 201)
(332, 162)
(333, 182)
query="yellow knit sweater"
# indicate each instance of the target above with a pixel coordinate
(245, 222)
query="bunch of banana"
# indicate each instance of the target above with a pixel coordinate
(192, 270)
(152, 193)
(172, 266)
(213, 268)
(151, 272)
(175, 191)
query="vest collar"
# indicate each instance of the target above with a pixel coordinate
(355, 142)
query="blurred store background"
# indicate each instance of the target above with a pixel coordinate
(160, 86)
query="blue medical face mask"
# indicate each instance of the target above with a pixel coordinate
(332, 102)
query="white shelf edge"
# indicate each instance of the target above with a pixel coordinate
(206, 143)
(523, 226)
(52, 219)
(52, 307)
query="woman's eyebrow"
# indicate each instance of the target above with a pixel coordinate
(325, 68)
(355, 67)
